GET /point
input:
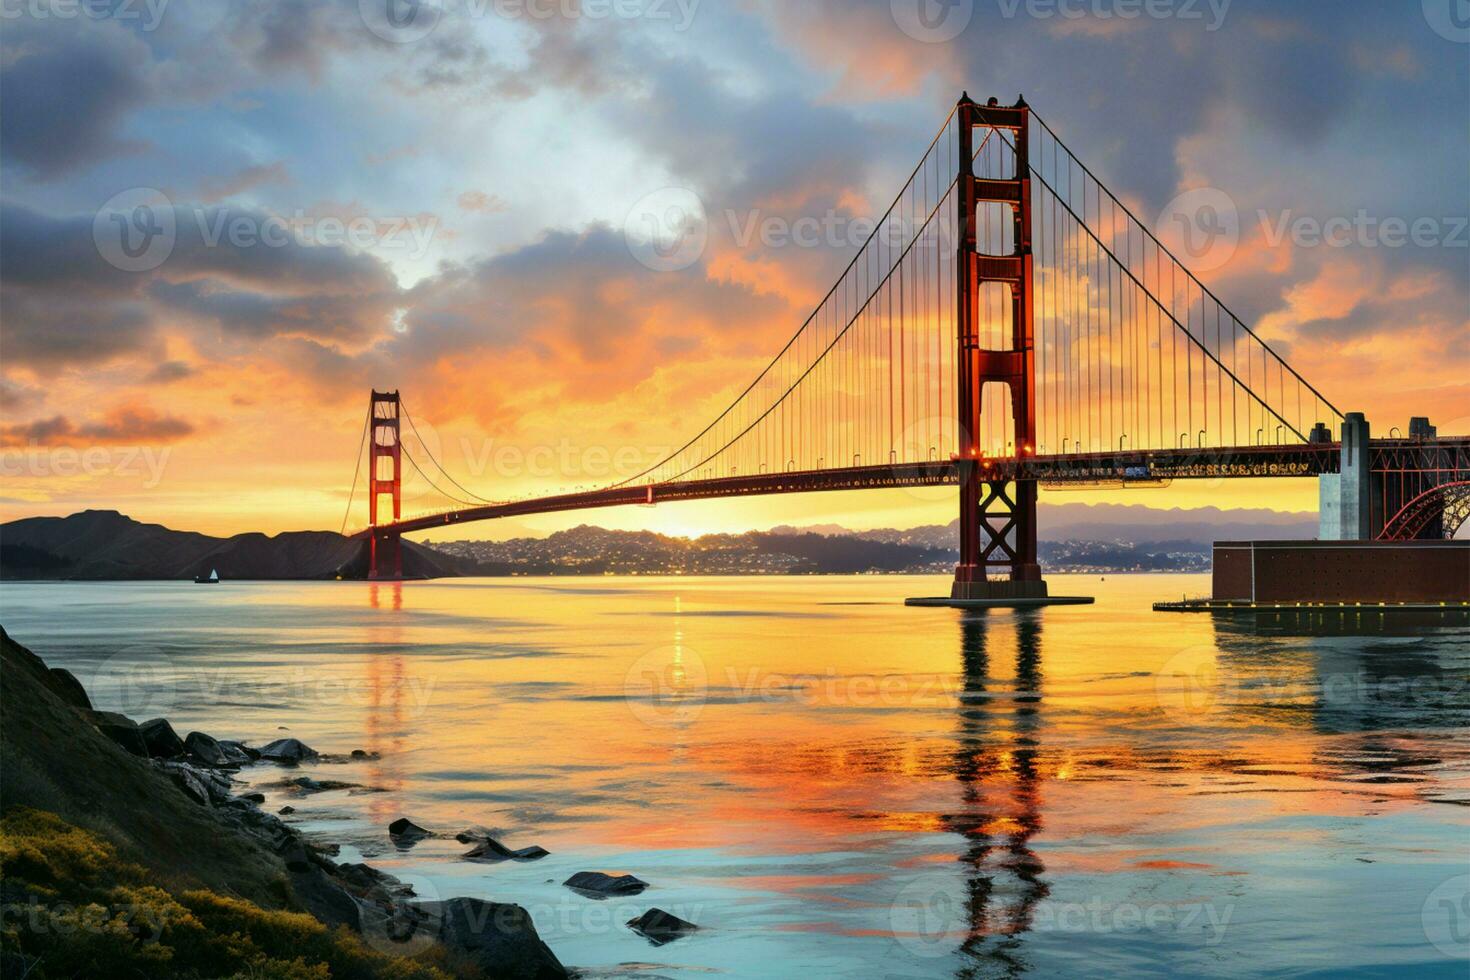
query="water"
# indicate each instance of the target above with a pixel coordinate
(831, 784)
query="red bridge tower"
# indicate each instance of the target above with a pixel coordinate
(997, 518)
(385, 463)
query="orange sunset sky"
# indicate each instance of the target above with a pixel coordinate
(489, 164)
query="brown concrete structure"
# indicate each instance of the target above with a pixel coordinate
(1342, 572)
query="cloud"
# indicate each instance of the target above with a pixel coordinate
(212, 189)
(129, 423)
(91, 80)
(168, 371)
(482, 203)
(66, 306)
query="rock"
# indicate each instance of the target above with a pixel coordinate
(325, 899)
(205, 749)
(305, 785)
(359, 754)
(404, 829)
(161, 739)
(69, 689)
(287, 810)
(659, 927)
(241, 751)
(122, 730)
(256, 798)
(489, 849)
(295, 854)
(595, 884)
(189, 782)
(288, 750)
(500, 940)
(204, 785)
(474, 835)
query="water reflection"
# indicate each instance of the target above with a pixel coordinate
(386, 718)
(996, 765)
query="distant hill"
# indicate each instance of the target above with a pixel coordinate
(103, 544)
(1128, 524)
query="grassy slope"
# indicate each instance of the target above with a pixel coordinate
(55, 761)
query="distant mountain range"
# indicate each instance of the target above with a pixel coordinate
(102, 545)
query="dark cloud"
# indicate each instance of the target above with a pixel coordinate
(167, 372)
(125, 424)
(65, 89)
(65, 305)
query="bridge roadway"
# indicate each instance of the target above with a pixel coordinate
(1447, 457)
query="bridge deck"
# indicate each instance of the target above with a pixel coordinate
(1102, 469)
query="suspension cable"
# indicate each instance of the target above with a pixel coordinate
(430, 453)
(357, 468)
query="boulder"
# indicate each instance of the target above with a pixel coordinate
(188, 781)
(122, 730)
(161, 739)
(500, 940)
(241, 751)
(66, 686)
(325, 899)
(595, 884)
(491, 850)
(659, 927)
(404, 829)
(206, 750)
(287, 750)
(286, 810)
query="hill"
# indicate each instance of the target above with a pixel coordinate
(103, 545)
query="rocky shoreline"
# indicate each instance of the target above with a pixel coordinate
(484, 938)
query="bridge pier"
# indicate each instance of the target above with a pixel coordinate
(1345, 497)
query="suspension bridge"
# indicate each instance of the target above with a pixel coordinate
(1008, 324)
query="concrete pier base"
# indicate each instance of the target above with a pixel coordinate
(1014, 602)
(1000, 594)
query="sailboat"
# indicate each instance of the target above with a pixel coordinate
(211, 579)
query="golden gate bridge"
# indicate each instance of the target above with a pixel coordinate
(1008, 324)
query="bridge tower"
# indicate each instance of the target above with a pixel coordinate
(997, 517)
(385, 476)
